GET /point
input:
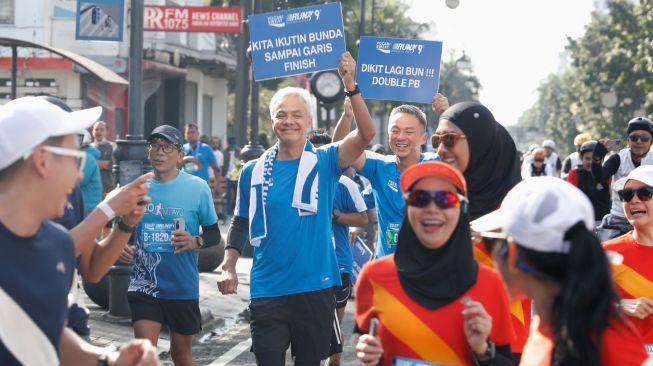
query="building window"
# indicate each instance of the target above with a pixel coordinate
(7, 11)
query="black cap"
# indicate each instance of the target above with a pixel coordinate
(588, 146)
(640, 123)
(167, 132)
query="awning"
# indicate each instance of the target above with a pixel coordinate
(93, 67)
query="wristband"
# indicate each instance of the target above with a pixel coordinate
(107, 210)
(122, 226)
(353, 92)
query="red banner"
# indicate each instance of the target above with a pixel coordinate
(192, 19)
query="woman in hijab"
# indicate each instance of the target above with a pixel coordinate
(433, 302)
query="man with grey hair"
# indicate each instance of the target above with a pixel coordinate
(285, 207)
(406, 135)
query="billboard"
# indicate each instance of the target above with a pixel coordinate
(193, 19)
(99, 20)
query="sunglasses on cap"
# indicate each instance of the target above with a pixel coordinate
(644, 194)
(641, 138)
(443, 199)
(449, 139)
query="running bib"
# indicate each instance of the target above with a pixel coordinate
(157, 237)
(392, 234)
(649, 349)
(402, 361)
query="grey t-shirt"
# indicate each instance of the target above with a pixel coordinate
(106, 153)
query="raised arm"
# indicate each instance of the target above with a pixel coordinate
(354, 144)
(343, 127)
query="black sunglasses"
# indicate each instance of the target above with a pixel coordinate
(492, 240)
(642, 138)
(443, 199)
(644, 194)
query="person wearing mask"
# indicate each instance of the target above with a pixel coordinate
(573, 160)
(434, 303)
(634, 275)
(581, 176)
(91, 184)
(470, 139)
(543, 244)
(105, 161)
(552, 158)
(617, 166)
(40, 163)
(199, 157)
(538, 166)
(285, 208)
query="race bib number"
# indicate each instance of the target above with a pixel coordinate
(392, 234)
(402, 361)
(649, 349)
(157, 237)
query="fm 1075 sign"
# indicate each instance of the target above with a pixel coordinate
(192, 19)
(296, 41)
(406, 70)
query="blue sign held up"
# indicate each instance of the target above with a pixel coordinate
(361, 255)
(296, 41)
(405, 70)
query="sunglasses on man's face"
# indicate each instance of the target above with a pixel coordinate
(538, 160)
(642, 138)
(443, 199)
(644, 194)
(493, 240)
(448, 139)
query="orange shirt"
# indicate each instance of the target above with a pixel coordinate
(621, 345)
(634, 277)
(411, 331)
(520, 310)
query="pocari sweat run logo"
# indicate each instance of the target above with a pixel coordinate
(399, 47)
(278, 21)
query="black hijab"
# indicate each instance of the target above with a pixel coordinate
(493, 167)
(436, 277)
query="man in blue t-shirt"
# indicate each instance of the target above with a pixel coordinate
(39, 165)
(199, 156)
(164, 282)
(285, 207)
(406, 135)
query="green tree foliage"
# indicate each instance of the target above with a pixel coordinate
(614, 56)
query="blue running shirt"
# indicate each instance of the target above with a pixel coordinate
(163, 274)
(383, 173)
(297, 255)
(206, 157)
(348, 200)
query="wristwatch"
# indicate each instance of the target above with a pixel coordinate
(200, 241)
(122, 226)
(489, 354)
(353, 92)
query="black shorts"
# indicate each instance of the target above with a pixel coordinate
(181, 316)
(305, 321)
(343, 293)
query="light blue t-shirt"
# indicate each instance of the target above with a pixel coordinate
(204, 154)
(383, 173)
(297, 255)
(163, 274)
(348, 200)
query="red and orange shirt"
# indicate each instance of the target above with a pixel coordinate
(621, 345)
(520, 310)
(634, 277)
(408, 330)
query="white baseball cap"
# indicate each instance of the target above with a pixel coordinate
(549, 144)
(643, 173)
(537, 213)
(27, 122)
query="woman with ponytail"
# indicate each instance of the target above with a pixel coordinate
(542, 242)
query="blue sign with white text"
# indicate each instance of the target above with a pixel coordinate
(99, 20)
(361, 255)
(296, 41)
(405, 70)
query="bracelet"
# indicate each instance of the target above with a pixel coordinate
(353, 92)
(107, 210)
(122, 226)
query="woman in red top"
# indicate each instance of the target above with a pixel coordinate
(634, 276)
(546, 250)
(432, 300)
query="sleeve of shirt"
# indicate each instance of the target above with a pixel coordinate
(334, 160)
(611, 165)
(354, 201)
(244, 185)
(210, 156)
(566, 166)
(368, 197)
(573, 177)
(558, 164)
(207, 208)
(370, 167)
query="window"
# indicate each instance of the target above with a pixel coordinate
(7, 11)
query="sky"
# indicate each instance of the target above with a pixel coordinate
(513, 44)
